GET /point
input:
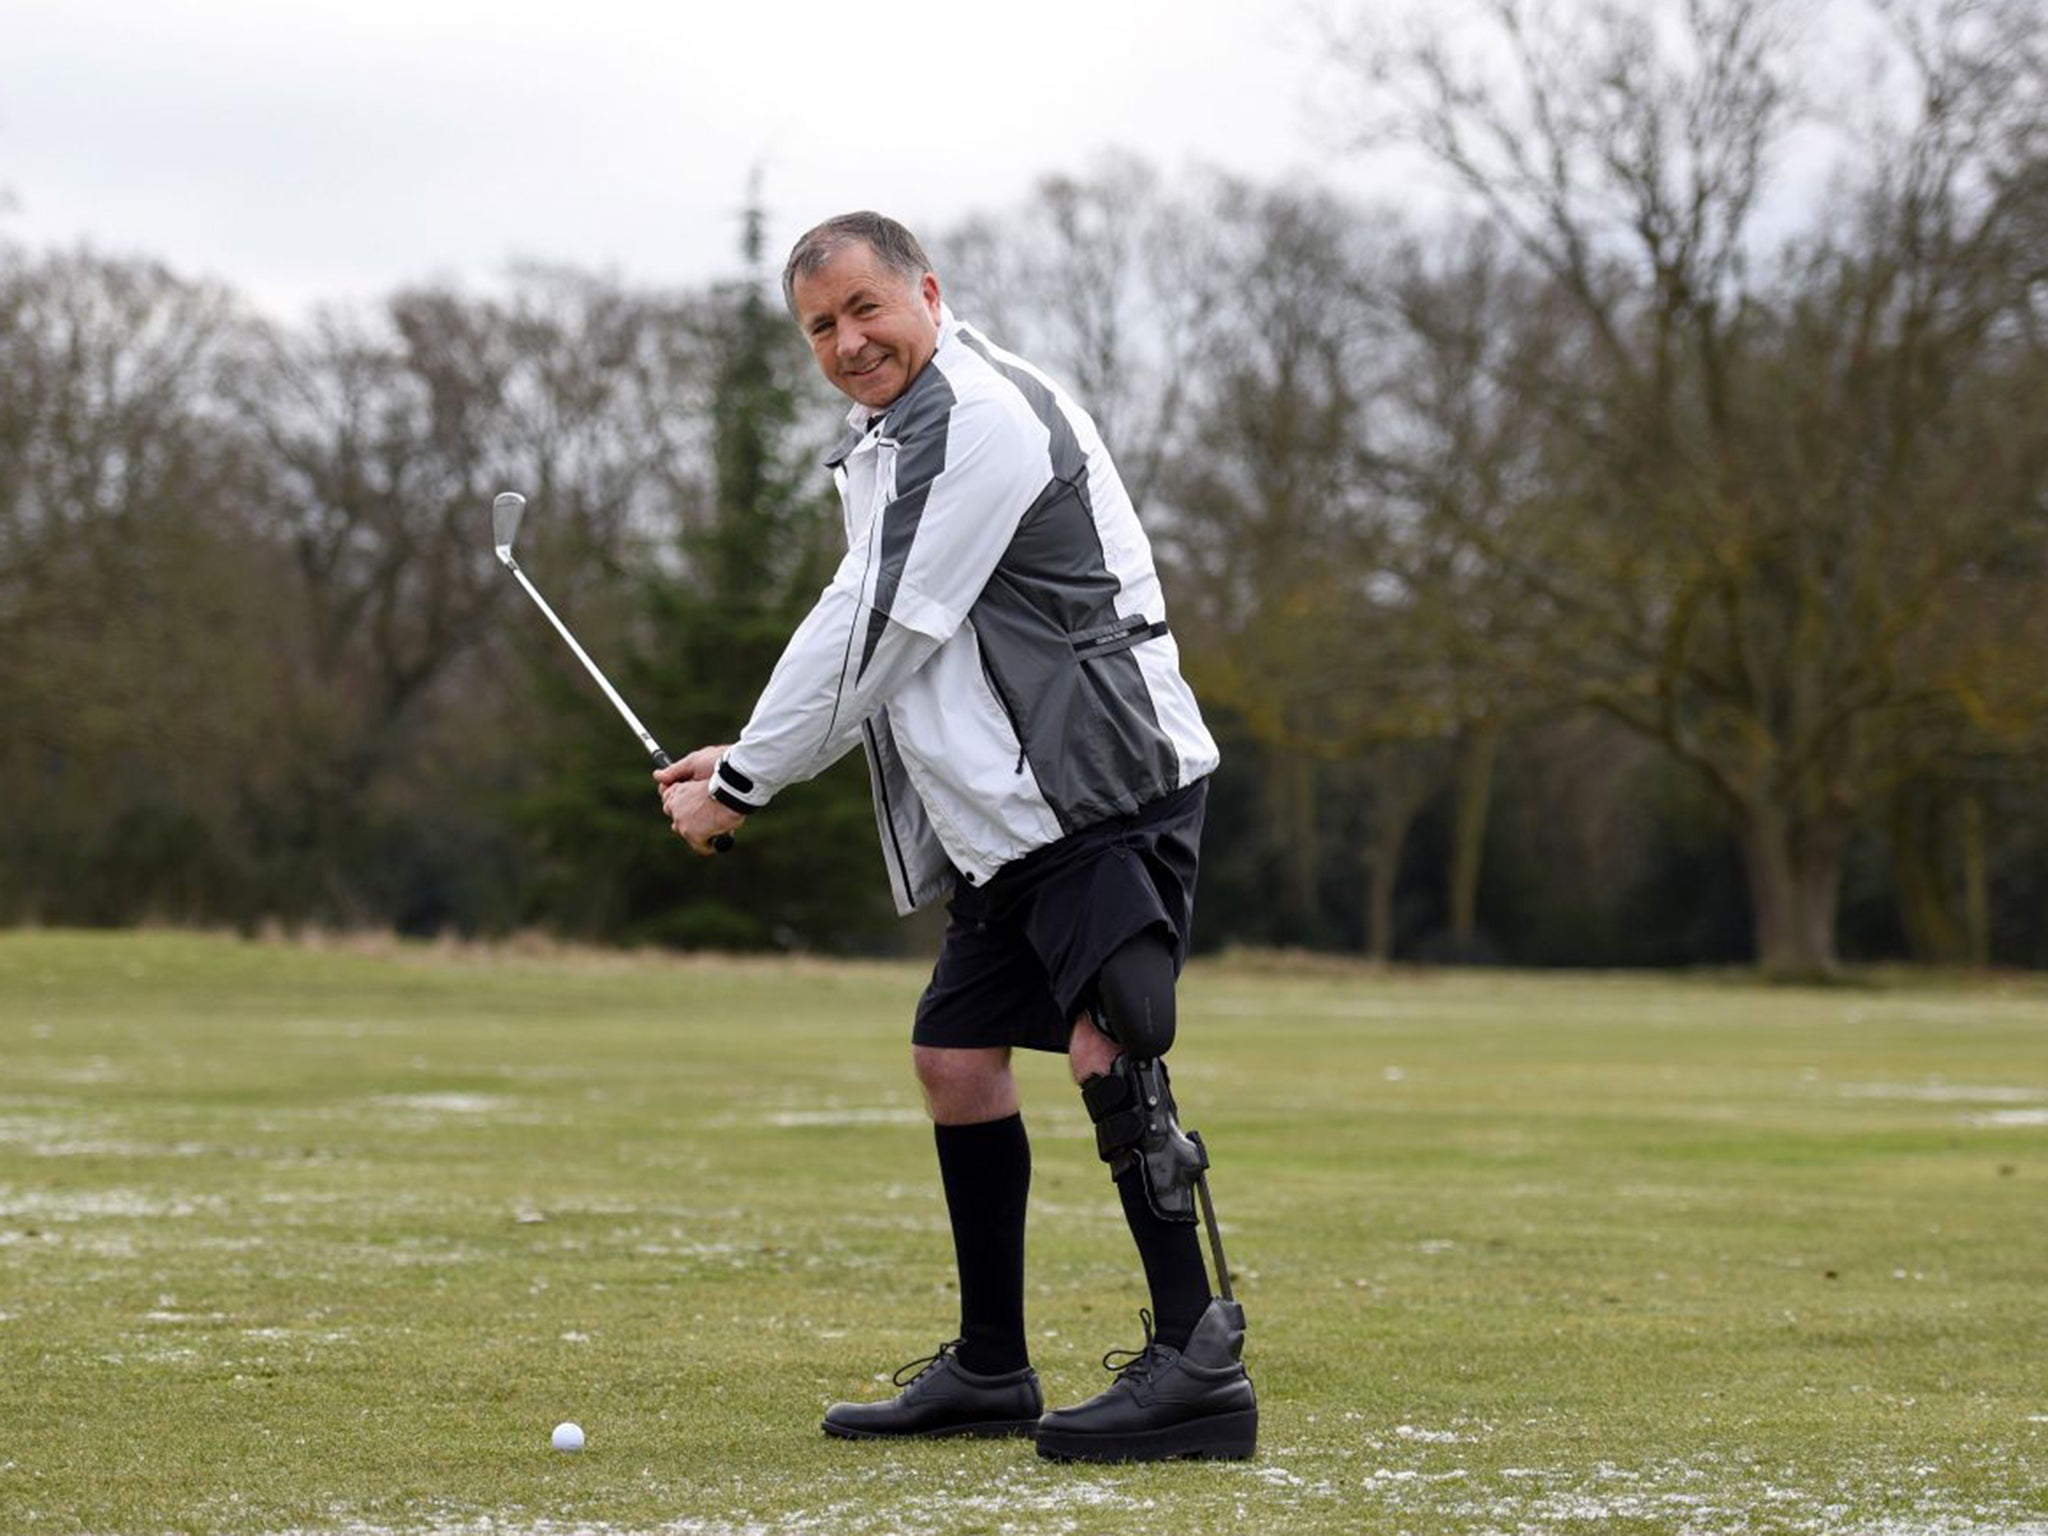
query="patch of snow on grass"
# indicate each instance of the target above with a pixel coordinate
(87, 1205)
(444, 1103)
(1427, 1436)
(1945, 1093)
(1710, 1500)
(2009, 1119)
(798, 1119)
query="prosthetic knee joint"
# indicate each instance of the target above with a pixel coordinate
(1136, 1124)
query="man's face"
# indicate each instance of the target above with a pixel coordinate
(870, 328)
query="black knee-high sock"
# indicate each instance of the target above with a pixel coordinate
(1172, 1256)
(986, 1170)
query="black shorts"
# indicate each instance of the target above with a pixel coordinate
(1020, 953)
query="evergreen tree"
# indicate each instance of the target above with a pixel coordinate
(756, 536)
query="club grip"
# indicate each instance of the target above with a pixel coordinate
(724, 841)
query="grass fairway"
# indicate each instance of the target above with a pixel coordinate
(298, 1240)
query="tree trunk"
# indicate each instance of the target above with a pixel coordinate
(1476, 756)
(1795, 888)
(1382, 867)
(1398, 790)
(1307, 847)
(1934, 931)
(1976, 883)
(1291, 809)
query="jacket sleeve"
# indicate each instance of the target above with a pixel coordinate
(963, 484)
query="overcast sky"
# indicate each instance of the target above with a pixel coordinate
(307, 150)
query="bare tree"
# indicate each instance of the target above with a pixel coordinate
(1100, 279)
(389, 438)
(1312, 615)
(1460, 447)
(136, 609)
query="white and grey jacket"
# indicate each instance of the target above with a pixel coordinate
(995, 635)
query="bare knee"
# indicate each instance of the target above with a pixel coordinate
(965, 1086)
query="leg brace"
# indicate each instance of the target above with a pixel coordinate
(1132, 1103)
(1133, 1110)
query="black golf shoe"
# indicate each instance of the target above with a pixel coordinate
(1166, 1402)
(941, 1399)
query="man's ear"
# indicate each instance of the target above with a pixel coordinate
(928, 290)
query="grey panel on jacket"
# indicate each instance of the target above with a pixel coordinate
(1088, 727)
(919, 422)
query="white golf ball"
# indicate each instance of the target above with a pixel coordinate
(568, 1437)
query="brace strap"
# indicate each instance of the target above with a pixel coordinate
(1119, 1117)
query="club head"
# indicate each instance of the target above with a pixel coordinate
(505, 514)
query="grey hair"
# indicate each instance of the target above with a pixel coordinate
(896, 247)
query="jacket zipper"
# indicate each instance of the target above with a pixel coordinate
(1009, 714)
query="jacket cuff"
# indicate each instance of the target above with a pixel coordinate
(734, 790)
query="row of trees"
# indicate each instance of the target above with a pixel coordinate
(1762, 485)
(256, 658)
(1625, 566)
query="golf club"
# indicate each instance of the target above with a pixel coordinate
(506, 511)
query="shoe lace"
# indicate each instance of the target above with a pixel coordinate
(906, 1374)
(1135, 1364)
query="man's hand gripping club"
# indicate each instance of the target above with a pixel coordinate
(686, 799)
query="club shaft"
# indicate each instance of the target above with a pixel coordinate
(631, 719)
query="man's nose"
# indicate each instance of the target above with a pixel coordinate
(850, 341)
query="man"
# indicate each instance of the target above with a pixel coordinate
(997, 641)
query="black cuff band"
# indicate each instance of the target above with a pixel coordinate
(729, 787)
(731, 801)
